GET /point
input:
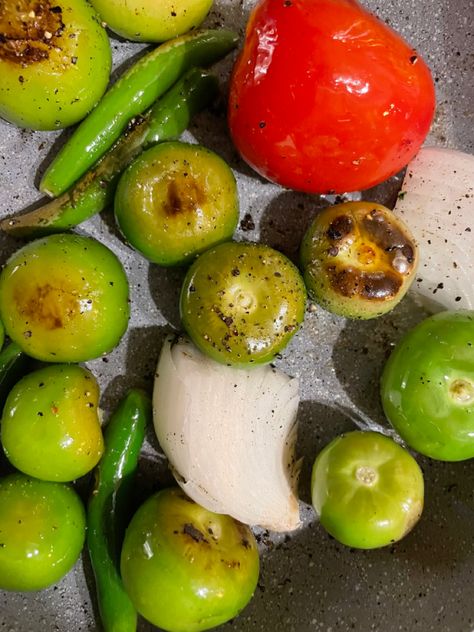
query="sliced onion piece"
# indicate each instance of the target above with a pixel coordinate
(229, 435)
(437, 203)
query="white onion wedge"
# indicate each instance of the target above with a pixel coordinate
(437, 204)
(229, 435)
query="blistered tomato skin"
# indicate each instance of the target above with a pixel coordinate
(367, 490)
(326, 98)
(358, 259)
(55, 62)
(50, 425)
(241, 303)
(64, 298)
(187, 569)
(427, 387)
(151, 21)
(42, 527)
(175, 201)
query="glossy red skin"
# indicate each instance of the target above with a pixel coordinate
(326, 98)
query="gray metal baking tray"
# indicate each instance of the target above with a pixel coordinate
(308, 581)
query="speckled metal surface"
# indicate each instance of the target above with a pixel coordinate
(308, 581)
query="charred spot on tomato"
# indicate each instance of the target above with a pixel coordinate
(358, 259)
(29, 30)
(184, 195)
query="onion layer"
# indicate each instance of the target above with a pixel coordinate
(437, 204)
(229, 435)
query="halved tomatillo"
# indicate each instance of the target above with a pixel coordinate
(241, 303)
(367, 490)
(358, 259)
(175, 201)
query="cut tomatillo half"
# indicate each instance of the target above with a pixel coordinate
(358, 259)
(64, 298)
(175, 201)
(242, 302)
(427, 387)
(367, 490)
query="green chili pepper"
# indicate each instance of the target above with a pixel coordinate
(13, 363)
(167, 119)
(108, 506)
(133, 93)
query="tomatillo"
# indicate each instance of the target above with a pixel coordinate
(367, 490)
(358, 259)
(50, 425)
(42, 531)
(151, 21)
(427, 386)
(55, 62)
(185, 568)
(175, 201)
(241, 303)
(64, 298)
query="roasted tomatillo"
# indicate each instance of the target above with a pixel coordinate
(55, 62)
(241, 303)
(428, 387)
(64, 298)
(187, 569)
(367, 490)
(175, 201)
(358, 259)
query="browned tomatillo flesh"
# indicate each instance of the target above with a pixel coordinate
(358, 259)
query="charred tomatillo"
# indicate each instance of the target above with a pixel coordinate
(367, 490)
(64, 298)
(42, 527)
(50, 425)
(427, 386)
(187, 569)
(358, 259)
(175, 201)
(55, 62)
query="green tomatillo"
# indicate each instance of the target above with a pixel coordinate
(42, 531)
(367, 490)
(175, 201)
(64, 298)
(241, 303)
(55, 62)
(427, 386)
(151, 21)
(50, 425)
(187, 569)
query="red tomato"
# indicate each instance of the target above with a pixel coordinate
(326, 98)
